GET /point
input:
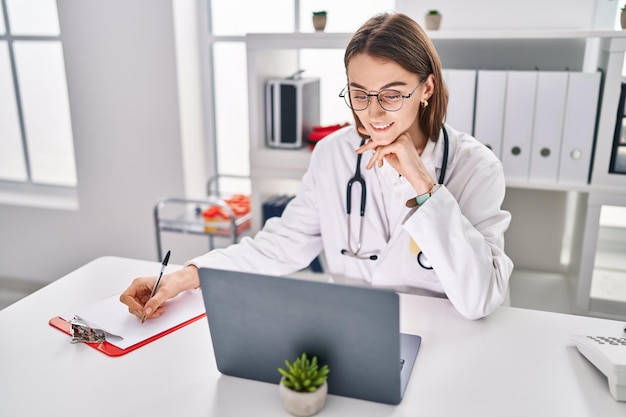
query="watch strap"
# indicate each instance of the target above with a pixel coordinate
(422, 198)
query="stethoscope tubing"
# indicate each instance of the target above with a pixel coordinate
(358, 178)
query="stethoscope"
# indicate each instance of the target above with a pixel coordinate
(358, 178)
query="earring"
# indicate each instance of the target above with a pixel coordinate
(424, 103)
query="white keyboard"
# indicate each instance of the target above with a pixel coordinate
(608, 354)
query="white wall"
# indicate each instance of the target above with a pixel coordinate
(515, 14)
(121, 68)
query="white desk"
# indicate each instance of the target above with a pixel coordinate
(514, 363)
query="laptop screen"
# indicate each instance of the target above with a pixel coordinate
(257, 322)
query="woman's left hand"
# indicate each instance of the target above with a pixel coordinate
(404, 158)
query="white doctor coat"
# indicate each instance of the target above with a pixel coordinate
(460, 228)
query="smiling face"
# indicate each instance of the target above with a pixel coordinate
(372, 74)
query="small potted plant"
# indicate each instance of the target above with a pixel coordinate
(433, 19)
(303, 387)
(319, 20)
(622, 17)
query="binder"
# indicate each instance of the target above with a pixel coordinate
(461, 92)
(275, 205)
(548, 126)
(489, 114)
(519, 111)
(579, 127)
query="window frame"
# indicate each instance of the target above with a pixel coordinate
(28, 192)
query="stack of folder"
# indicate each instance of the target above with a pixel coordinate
(541, 124)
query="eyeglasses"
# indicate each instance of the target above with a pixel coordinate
(389, 100)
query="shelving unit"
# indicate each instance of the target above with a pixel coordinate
(276, 55)
(184, 215)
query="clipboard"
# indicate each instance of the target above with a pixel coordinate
(112, 350)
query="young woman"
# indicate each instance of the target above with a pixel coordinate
(432, 221)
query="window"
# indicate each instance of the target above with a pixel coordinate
(36, 143)
(228, 27)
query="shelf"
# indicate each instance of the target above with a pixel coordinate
(331, 39)
(297, 40)
(282, 163)
(190, 223)
(291, 164)
(180, 215)
(584, 188)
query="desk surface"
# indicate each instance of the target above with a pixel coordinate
(515, 362)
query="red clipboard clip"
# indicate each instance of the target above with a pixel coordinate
(110, 349)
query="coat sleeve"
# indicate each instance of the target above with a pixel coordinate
(463, 238)
(284, 245)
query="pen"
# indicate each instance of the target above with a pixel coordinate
(156, 284)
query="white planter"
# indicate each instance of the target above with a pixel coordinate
(303, 404)
(319, 22)
(433, 21)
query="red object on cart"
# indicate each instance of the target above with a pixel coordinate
(216, 217)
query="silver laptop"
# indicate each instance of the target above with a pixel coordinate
(258, 321)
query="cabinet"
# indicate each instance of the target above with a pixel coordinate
(277, 55)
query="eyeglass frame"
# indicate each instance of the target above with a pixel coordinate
(345, 90)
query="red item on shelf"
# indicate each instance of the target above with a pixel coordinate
(320, 132)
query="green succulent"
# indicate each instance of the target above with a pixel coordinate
(433, 11)
(304, 374)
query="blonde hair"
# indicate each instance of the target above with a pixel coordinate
(398, 38)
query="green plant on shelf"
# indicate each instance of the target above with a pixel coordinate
(304, 374)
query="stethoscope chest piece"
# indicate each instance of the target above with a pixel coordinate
(423, 261)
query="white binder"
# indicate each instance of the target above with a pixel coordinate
(519, 111)
(548, 126)
(579, 127)
(461, 91)
(489, 114)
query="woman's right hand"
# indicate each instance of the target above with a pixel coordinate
(137, 295)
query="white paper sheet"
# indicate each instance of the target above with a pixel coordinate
(124, 329)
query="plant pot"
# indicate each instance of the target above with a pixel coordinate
(433, 21)
(622, 17)
(319, 22)
(303, 404)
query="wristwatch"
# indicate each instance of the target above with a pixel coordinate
(421, 199)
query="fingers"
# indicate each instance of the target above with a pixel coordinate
(380, 154)
(369, 145)
(137, 298)
(153, 308)
(375, 158)
(137, 294)
(401, 153)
